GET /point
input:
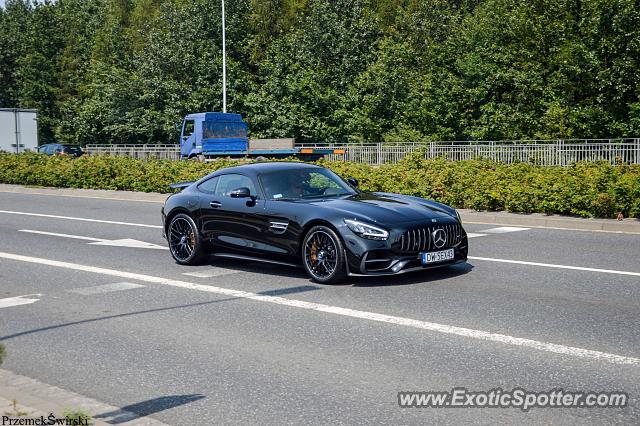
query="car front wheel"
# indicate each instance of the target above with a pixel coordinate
(323, 256)
(185, 242)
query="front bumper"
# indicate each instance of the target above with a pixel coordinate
(367, 257)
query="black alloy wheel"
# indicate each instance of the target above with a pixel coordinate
(323, 255)
(185, 242)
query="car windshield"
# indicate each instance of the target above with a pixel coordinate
(304, 183)
(221, 129)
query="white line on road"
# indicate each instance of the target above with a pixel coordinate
(82, 219)
(371, 316)
(553, 265)
(504, 230)
(95, 197)
(55, 234)
(124, 242)
(475, 235)
(19, 300)
(106, 288)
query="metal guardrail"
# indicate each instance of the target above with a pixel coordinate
(139, 152)
(545, 153)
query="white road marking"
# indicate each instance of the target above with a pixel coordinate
(82, 219)
(371, 316)
(137, 200)
(106, 288)
(19, 300)
(212, 272)
(553, 265)
(504, 230)
(475, 235)
(126, 242)
(55, 234)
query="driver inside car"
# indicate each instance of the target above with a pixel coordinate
(289, 186)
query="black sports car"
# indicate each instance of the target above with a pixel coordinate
(292, 213)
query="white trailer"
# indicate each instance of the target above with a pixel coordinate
(18, 130)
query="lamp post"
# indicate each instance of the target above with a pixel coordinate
(224, 65)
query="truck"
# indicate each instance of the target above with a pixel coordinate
(18, 130)
(209, 135)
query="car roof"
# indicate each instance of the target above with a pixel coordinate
(269, 166)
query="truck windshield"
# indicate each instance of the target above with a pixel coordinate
(217, 129)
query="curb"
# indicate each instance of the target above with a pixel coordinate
(533, 220)
(101, 194)
(34, 399)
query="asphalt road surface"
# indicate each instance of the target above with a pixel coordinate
(91, 301)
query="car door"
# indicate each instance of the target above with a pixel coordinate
(232, 223)
(188, 137)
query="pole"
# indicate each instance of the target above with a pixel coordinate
(224, 65)
(16, 123)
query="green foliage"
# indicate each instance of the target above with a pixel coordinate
(2, 353)
(125, 71)
(586, 189)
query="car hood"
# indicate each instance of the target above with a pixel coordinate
(385, 208)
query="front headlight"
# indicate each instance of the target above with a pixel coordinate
(367, 231)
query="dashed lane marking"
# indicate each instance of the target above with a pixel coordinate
(19, 300)
(82, 219)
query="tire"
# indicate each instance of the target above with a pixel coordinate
(323, 255)
(185, 242)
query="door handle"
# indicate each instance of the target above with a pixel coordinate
(215, 204)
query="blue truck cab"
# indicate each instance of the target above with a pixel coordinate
(223, 134)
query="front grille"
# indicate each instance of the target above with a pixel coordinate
(421, 239)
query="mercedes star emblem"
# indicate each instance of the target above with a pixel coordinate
(439, 238)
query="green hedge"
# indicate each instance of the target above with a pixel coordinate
(590, 189)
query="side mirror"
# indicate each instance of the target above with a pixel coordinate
(353, 182)
(240, 193)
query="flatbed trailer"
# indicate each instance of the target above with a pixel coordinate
(306, 154)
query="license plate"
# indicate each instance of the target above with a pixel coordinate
(437, 256)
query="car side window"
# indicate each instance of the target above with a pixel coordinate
(209, 185)
(42, 149)
(228, 183)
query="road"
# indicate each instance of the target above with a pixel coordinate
(85, 308)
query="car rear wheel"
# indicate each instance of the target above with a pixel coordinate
(323, 256)
(185, 243)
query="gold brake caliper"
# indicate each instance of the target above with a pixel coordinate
(314, 255)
